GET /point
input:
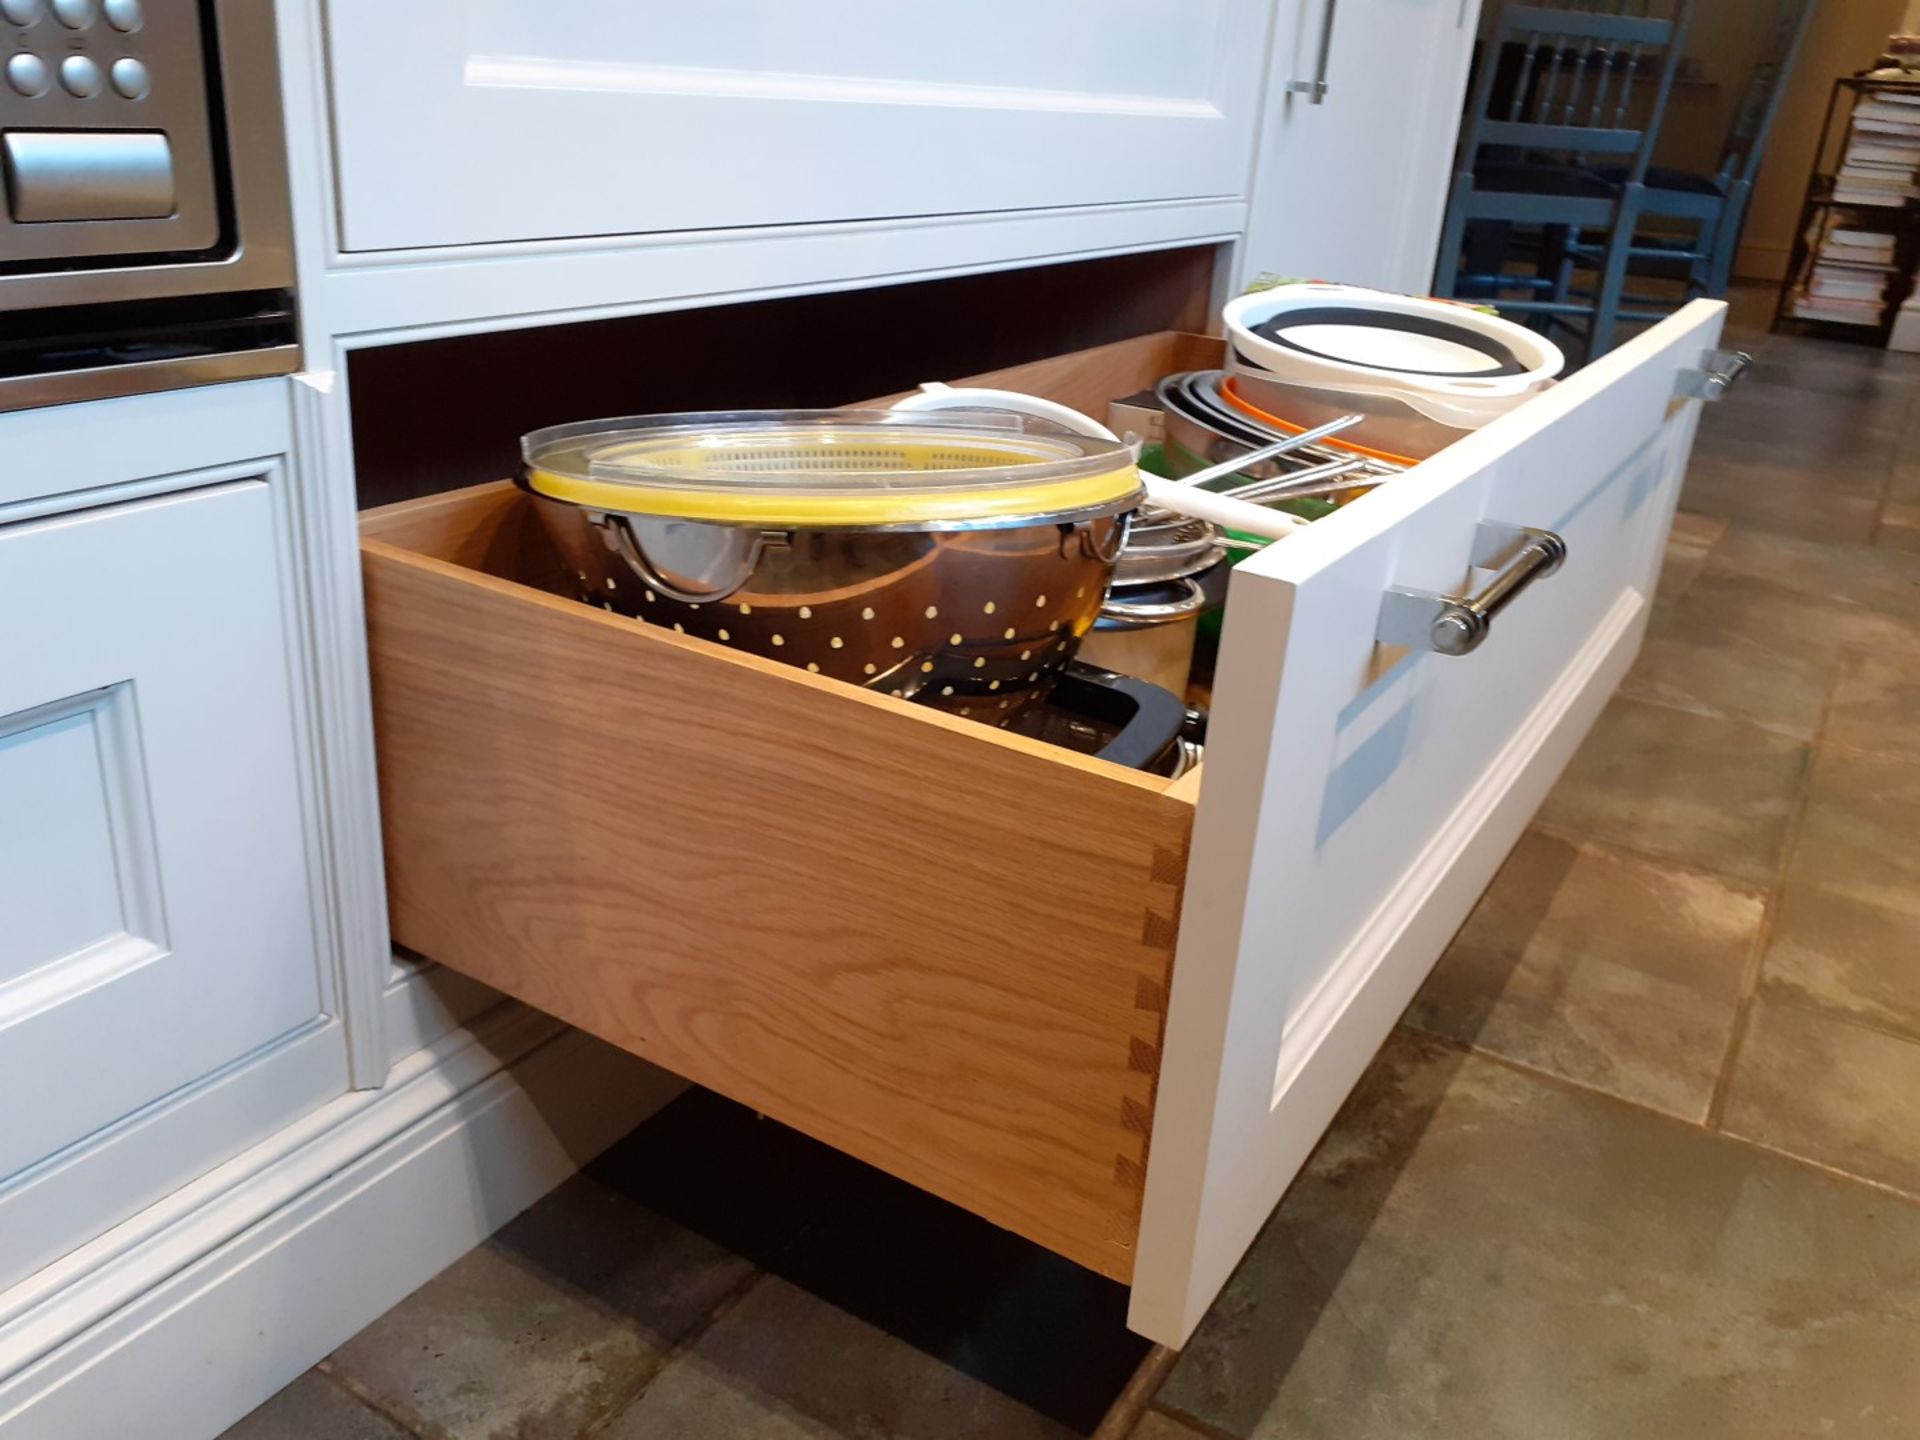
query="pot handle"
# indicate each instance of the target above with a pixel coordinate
(1192, 600)
(1149, 717)
(730, 571)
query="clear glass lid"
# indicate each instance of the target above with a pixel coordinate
(830, 466)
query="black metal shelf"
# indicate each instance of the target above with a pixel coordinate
(1902, 221)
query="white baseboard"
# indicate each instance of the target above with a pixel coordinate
(178, 1323)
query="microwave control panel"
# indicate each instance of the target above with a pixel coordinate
(106, 142)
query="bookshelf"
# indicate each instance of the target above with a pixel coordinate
(1858, 240)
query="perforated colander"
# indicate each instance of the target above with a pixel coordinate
(954, 560)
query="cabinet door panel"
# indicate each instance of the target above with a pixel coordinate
(1358, 795)
(1353, 189)
(155, 887)
(468, 121)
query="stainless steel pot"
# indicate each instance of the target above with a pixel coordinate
(973, 614)
(1148, 631)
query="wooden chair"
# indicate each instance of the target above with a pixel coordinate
(1572, 103)
(1716, 203)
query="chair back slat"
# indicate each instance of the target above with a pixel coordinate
(1760, 103)
(1589, 24)
(1530, 136)
(1576, 82)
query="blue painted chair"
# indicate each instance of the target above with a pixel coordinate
(1716, 204)
(1572, 107)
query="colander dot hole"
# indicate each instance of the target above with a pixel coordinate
(836, 642)
(933, 612)
(956, 638)
(926, 666)
(813, 667)
(806, 612)
(723, 633)
(871, 668)
(651, 597)
(946, 689)
(867, 614)
(1038, 601)
(899, 642)
(779, 639)
(1009, 634)
(1026, 654)
(678, 628)
(993, 685)
(990, 607)
(746, 609)
(610, 584)
(979, 662)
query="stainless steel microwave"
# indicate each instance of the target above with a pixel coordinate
(144, 238)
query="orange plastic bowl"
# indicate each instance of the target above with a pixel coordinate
(1286, 427)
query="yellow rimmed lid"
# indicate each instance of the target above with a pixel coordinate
(832, 468)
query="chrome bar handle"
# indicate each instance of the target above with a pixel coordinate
(1456, 624)
(1718, 372)
(1316, 89)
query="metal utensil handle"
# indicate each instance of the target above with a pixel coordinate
(1457, 624)
(1316, 89)
(1201, 478)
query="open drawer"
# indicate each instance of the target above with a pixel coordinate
(1108, 1011)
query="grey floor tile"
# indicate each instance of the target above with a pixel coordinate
(314, 1408)
(1814, 1084)
(1781, 495)
(1776, 618)
(1899, 527)
(1712, 793)
(1473, 1252)
(1690, 663)
(1885, 582)
(1850, 956)
(549, 1326)
(1691, 540)
(1158, 1425)
(783, 1365)
(1601, 967)
(1876, 707)
(1861, 833)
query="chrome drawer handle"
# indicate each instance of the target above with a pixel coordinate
(1316, 89)
(1719, 372)
(1456, 624)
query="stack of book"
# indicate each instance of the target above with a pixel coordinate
(1850, 271)
(1883, 152)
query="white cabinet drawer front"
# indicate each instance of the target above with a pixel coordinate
(152, 858)
(1357, 798)
(463, 123)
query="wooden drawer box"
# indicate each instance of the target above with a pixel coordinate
(950, 951)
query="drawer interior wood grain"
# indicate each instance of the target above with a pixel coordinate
(941, 948)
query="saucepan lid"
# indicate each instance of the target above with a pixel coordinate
(832, 467)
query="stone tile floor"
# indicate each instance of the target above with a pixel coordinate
(1642, 1160)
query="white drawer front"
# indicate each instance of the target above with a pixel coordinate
(158, 921)
(462, 122)
(1357, 797)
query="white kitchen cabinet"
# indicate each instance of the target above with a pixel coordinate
(1108, 1011)
(156, 878)
(460, 123)
(1352, 188)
